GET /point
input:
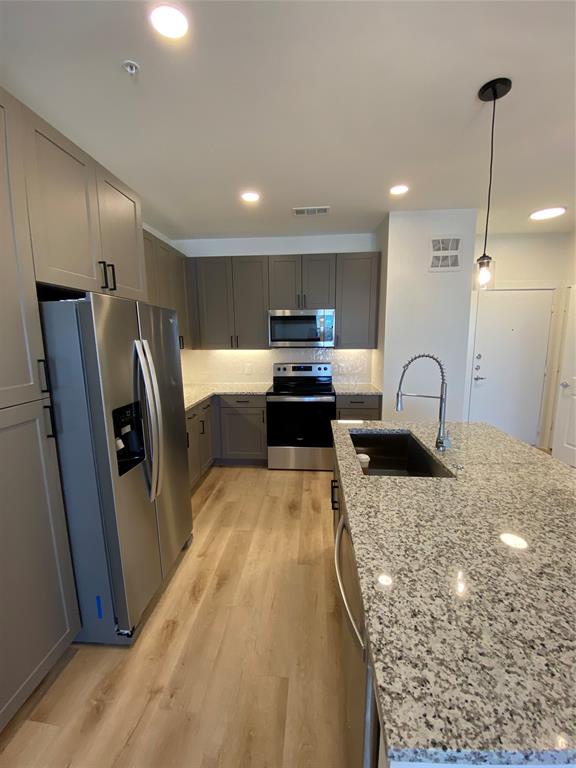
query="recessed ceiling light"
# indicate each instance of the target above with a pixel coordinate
(548, 213)
(514, 541)
(169, 21)
(250, 197)
(399, 189)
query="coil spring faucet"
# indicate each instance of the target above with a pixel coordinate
(443, 437)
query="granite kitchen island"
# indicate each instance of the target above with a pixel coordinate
(472, 641)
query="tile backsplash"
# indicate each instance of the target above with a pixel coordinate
(350, 366)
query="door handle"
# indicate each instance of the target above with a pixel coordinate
(47, 385)
(114, 286)
(333, 489)
(158, 409)
(347, 610)
(50, 410)
(203, 427)
(105, 274)
(236, 342)
(479, 378)
(304, 300)
(298, 300)
(232, 341)
(181, 342)
(152, 417)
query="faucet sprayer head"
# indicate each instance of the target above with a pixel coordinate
(399, 401)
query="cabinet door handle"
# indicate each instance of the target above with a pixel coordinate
(347, 610)
(298, 300)
(263, 419)
(47, 385)
(304, 300)
(357, 402)
(105, 275)
(50, 410)
(232, 341)
(237, 342)
(181, 341)
(203, 427)
(242, 401)
(333, 499)
(114, 286)
(187, 440)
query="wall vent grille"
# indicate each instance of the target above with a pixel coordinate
(446, 254)
(311, 210)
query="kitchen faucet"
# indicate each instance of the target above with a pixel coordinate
(443, 438)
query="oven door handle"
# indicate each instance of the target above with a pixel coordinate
(301, 398)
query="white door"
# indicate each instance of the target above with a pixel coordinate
(509, 360)
(564, 436)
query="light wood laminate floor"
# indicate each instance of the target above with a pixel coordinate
(238, 664)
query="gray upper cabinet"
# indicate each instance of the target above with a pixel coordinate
(250, 281)
(191, 270)
(166, 281)
(215, 302)
(121, 237)
(63, 209)
(318, 281)
(285, 282)
(357, 281)
(38, 598)
(20, 335)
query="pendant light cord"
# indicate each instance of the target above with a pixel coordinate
(490, 177)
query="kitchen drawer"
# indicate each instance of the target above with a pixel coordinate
(366, 414)
(358, 401)
(243, 401)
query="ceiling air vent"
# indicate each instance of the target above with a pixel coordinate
(446, 254)
(311, 210)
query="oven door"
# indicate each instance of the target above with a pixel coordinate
(301, 328)
(300, 422)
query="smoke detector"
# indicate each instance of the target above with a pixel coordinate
(311, 210)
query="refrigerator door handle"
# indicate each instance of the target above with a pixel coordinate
(152, 415)
(158, 409)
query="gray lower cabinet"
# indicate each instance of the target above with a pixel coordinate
(285, 281)
(193, 439)
(206, 449)
(121, 237)
(318, 281)
(215, 302)
(38, 601)
(250, 281)
(357, 284)
(200, 437)
(20, 335)
(243, 432)
(364, 414)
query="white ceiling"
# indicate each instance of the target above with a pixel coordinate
(310, 103)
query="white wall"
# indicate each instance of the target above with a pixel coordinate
(350, 366)
(254, 246)
(427, 312)
(532, 260)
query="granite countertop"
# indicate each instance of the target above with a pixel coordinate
(194, 394)
(473, 643)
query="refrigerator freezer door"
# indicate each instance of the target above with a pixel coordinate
(159, 333)
(109, 328)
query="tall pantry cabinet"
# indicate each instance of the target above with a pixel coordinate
(37, 595)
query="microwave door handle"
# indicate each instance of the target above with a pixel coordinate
(158, 408)
(152, 417)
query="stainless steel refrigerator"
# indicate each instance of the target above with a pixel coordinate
(120, 426)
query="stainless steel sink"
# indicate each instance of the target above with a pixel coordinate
(398, 454)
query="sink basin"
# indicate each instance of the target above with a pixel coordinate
(397, 454)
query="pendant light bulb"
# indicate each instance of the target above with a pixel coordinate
(485, 271)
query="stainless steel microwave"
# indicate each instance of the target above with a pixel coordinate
(301, 327)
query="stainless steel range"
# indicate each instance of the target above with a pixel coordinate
(300, 405)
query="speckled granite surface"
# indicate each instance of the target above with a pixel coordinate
(195, 393)
(473, 643)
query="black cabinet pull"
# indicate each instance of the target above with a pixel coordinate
(47, 385)
(298, 300)
(242, 401)
(181, 341)
(304, 301)
(263, 419)
(50, 410)
(187, 440)
(333, 491)
(232, 341)
(105, 273)
(357, 402)
(236, 342)
(114, 286)
(203, 427)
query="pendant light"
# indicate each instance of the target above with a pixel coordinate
(491, 91)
